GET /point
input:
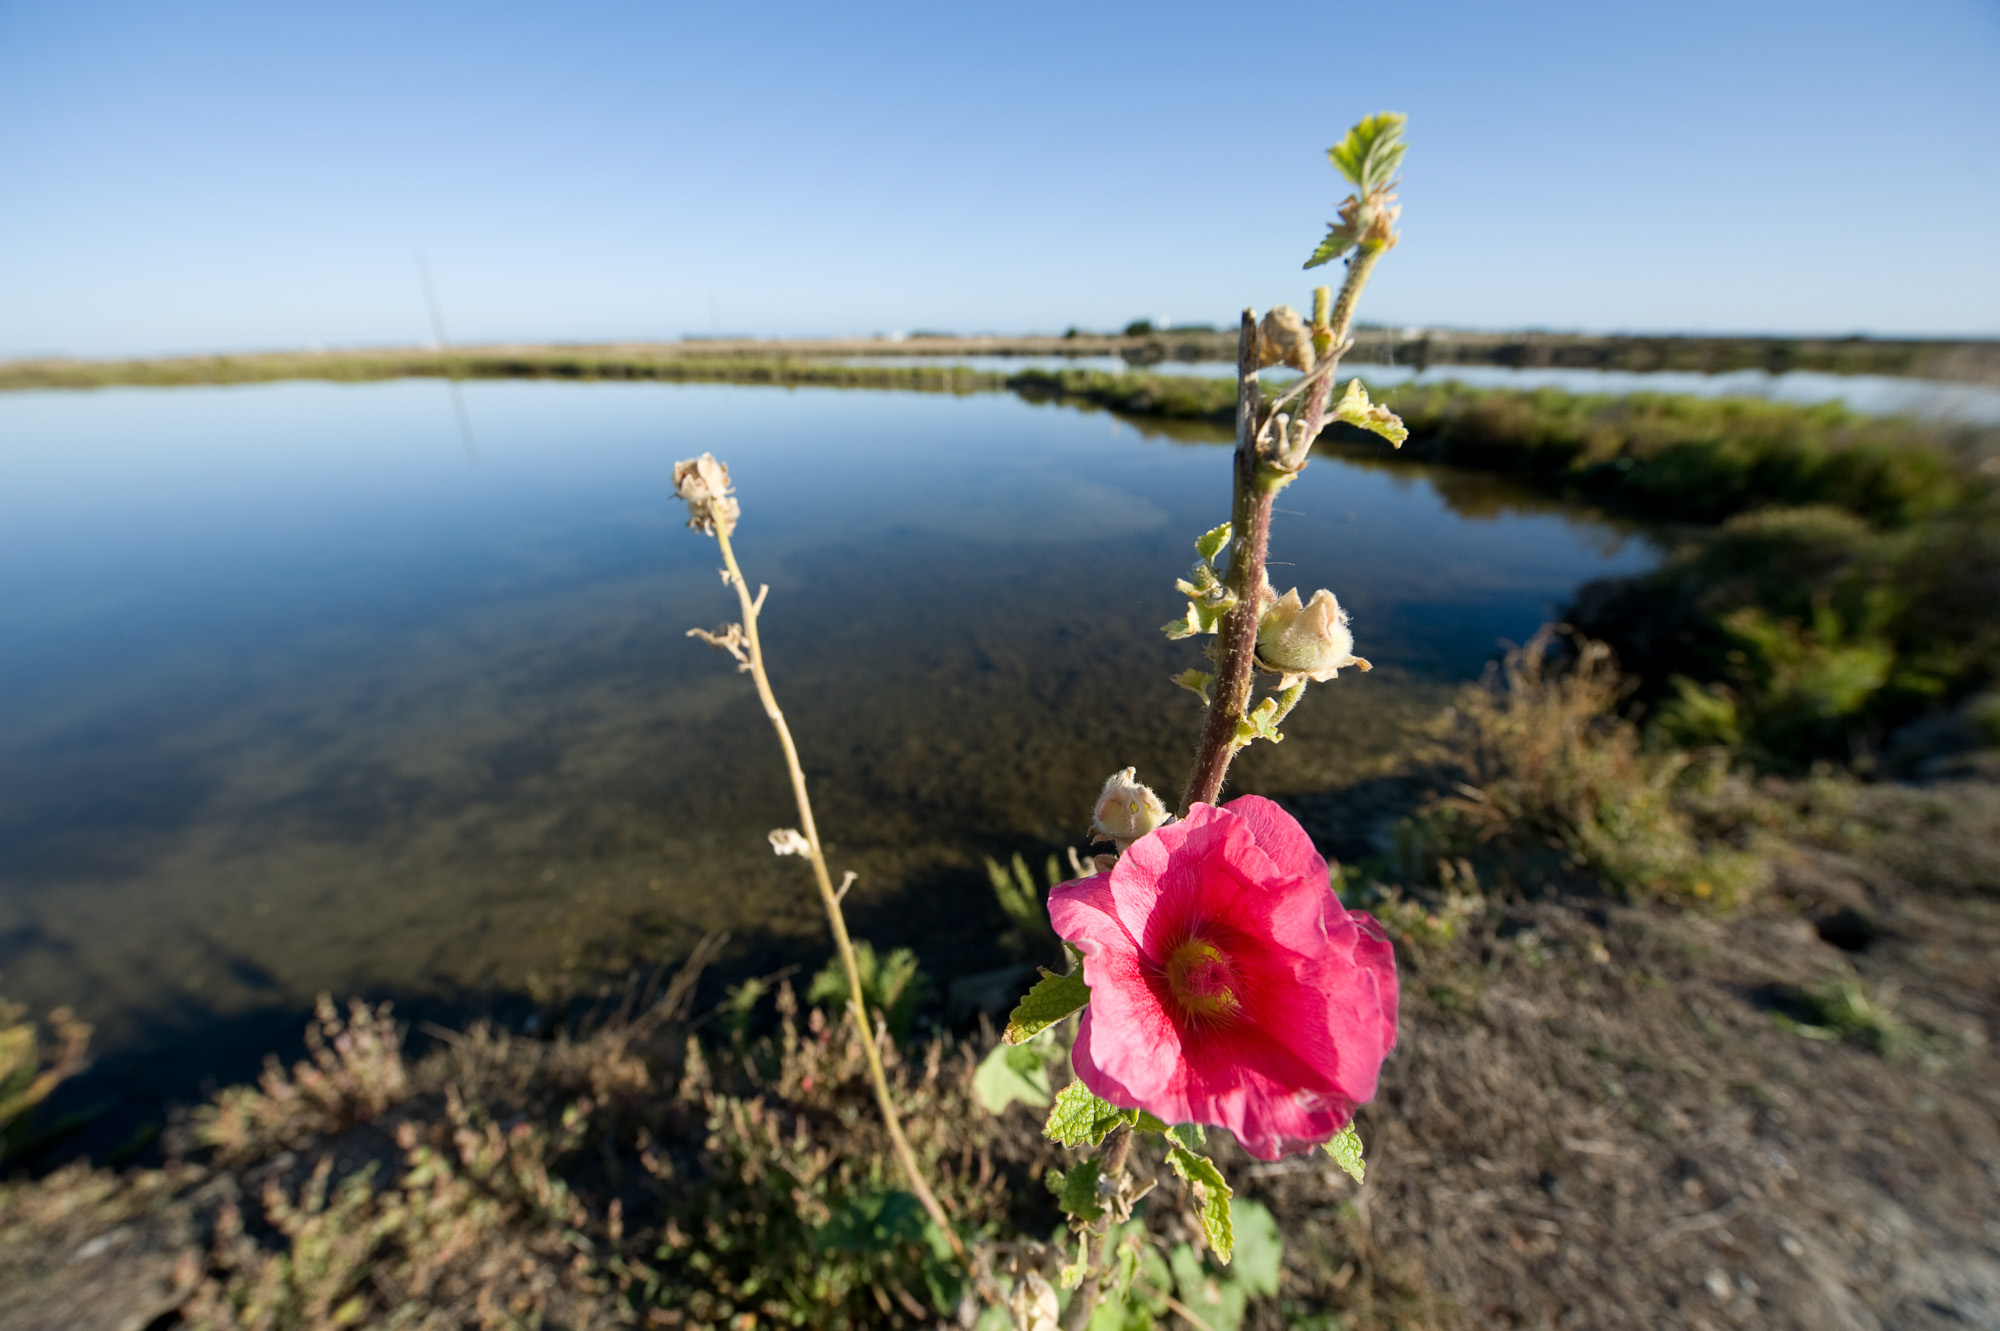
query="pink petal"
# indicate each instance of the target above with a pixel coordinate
(1280, 837)
(1316, 983)
(1133, 1038)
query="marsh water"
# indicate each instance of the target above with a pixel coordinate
(302, 689)
(1871, 394)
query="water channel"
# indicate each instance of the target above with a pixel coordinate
(302, 691)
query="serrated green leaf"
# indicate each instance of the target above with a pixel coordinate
(1355, 408)
(1145, 1122)
(1009, 1074)
(1190, 1135)
(1204, 582)
(1201, 617)
(1079, 1118)
(1211, 542)
(1196, 682)
(1346, 1152)
(1052, 998)
(1372, 150)
(1214, 1193)
(1339, 240)
(1260, 722)
(1076, 1190)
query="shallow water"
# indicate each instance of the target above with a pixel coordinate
(300, 691)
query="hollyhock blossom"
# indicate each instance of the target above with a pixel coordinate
(1228, 986)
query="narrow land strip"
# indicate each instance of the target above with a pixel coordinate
(832, 361)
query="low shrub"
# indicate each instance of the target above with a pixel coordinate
(29, 1073)
(1805, 634)
(1549, 780)
(1687, 458)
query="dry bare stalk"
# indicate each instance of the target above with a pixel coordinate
(830, 898)
(1258, 478)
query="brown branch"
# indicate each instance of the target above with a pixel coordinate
(830, 898)
(1236, 641)
(1258, 478)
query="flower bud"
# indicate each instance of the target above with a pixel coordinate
(1282, 339)
(704, 483)
(1305, 641)
(1126, 810)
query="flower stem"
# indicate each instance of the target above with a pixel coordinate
(1257, 483)
(831, 900)
(1236, 640)
(1083, 1305)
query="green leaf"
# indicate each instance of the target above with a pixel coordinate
(1346, 1152)
(1355, 408)
(1214, 1194)
(1339, 240)
(1079, 1118)
(1052, 998)
(1372, 151)
(1072, 1275)
(1145, 1122)
(1211, 543)
(1196, 682)
(1190, 1135)
(872, 1222)
(1012, 1073)
(1200, 586)
(1261, 722)
(1260, 1249)
(1220, 1303)
(1076, 1190)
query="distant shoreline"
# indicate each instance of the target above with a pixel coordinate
(819, 361)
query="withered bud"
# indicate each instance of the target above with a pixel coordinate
(1033, 1303)
(787, 841)
(1374, 226)
(1283, 339)
(729, 638)
(704, 483)
(1126, 810)
(1383, 210)
(1306, 641)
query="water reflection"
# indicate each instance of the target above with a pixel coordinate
(1872, 394)
(295, 700)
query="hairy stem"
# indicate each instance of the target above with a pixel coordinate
(1257, 483)
(831, 900)
(1091, 1292)
(1236, 640)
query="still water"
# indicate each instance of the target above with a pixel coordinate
(301, 691)
(1871, 394)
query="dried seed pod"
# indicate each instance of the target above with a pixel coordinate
(1283, 339)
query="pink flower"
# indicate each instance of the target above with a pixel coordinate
(1228, 986)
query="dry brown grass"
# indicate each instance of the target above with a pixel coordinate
(1550, 782)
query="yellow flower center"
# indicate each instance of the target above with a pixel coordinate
(1202, 981)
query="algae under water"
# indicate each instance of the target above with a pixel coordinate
(298, 694)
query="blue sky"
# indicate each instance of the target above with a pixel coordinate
(199, 176)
